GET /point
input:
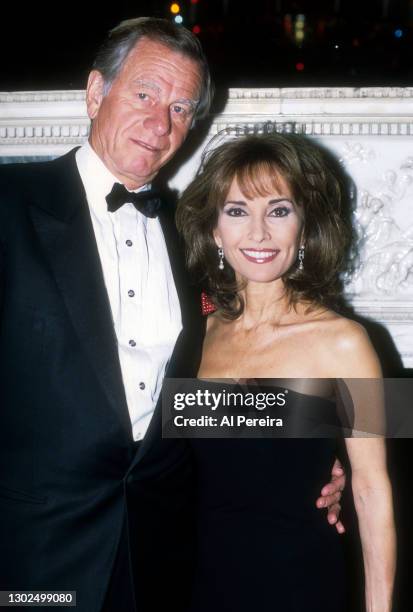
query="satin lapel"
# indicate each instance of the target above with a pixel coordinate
(186, 356)
(187, 352)
(62, 221)
(177, 259)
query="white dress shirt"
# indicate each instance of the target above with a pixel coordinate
(142, 294)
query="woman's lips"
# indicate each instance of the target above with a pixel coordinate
(260, 256)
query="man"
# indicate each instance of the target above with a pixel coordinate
(95, 311)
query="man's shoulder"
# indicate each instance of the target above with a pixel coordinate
(22, 183)
(19, 176)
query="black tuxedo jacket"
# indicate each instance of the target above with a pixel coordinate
(74, 492)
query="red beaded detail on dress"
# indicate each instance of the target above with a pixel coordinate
(206, 304)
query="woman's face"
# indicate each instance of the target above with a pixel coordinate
(260, 235)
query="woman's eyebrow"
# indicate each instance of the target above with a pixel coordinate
(272, 201)
(277, 200)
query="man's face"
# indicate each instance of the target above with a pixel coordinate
(139, 125)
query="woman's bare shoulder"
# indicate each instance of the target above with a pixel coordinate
(345, 333)
(346, 346)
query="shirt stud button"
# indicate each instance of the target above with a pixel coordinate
(141, 386)
(132, 343)
(129, 242)
(131, 293)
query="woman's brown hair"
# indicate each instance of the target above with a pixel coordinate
(318, 187)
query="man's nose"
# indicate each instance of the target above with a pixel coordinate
(159, 121)
(258, 231)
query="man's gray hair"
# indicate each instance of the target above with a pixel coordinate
(122, 39)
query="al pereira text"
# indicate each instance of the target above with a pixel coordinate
(227, 421)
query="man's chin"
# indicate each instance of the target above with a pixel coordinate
(143, 173)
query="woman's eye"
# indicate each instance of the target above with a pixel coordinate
(280, 211)
(235, 212)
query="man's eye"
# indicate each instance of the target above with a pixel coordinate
(235, 212)
(280, 211)
(182, 111)
(142, 95)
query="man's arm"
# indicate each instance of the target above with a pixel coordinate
(331, 495)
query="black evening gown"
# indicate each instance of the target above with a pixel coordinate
(262, 544)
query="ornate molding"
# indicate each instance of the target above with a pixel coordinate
(325, 93)
(58, 118)
(323, 111)
(24, 97)
(391, 312)
(42, 121)
(61, 135)
(34, 133)
(397, 317)
(332, 127)
(41, 134)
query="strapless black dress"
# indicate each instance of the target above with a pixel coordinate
(262, 543)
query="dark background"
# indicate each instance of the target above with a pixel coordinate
(250, 43)
(253, 43)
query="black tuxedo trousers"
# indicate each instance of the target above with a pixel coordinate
(78, 499)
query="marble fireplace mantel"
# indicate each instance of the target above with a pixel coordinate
(370, 130)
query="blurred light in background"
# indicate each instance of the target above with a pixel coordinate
(288, 25)
(299, 29)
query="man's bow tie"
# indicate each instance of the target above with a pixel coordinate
(147, 202)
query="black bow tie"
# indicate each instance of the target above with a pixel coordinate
(147, 202)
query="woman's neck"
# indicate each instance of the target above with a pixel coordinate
(264, 303)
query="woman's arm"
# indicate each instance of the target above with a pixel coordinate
(360, 370)
(373, 501)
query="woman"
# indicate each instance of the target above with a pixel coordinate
(266, 225)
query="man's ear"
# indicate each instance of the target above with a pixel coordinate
(94, 93)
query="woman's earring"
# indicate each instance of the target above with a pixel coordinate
(221, 258)
(301, 253)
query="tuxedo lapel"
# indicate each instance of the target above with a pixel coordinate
(61, 219)
(185, 360)
(177, 260)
